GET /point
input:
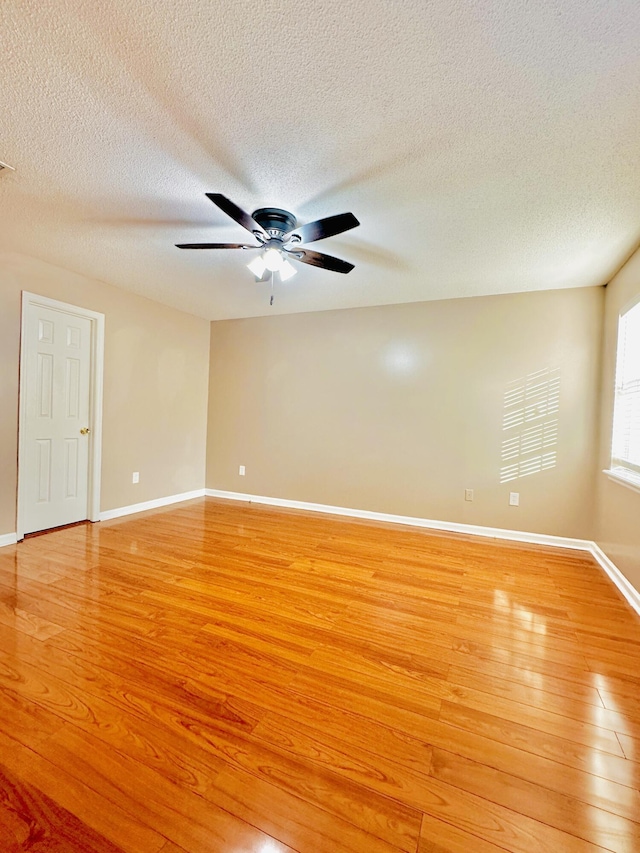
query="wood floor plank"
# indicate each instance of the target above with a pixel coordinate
(551, 694)
(17, 619)
(369, 702)
(177, 813)
(630, 746)
(125, 831)
(518, 638)
(563, 812)
(498, 825)
(323, 787)
(228, 676)
(31, 821)
(626, 703)
(367, 769)
(405, 686)
(352, 729)
(606, 765)
(437, 836)
(138, 736)
(75, 690)
(578, 729)
(471, 655)
(582, 782)
(295, 820)
(25, 721)
(405, 736)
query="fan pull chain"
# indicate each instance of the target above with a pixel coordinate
(272, 277)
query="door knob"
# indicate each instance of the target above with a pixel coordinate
(85, 431)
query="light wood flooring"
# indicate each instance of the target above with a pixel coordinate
(230, 678)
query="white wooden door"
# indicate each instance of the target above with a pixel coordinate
(55, 423)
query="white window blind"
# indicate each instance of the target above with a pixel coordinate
(625, 447)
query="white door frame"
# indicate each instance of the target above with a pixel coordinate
(95, 402)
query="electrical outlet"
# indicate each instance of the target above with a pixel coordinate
(514, 498)
(136, 477)
(468, 494)
(241, 470)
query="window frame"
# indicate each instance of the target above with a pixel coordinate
(623, 471)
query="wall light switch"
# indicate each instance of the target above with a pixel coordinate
(241, 470)
(514, 498)
(468, 494)
(136, 477)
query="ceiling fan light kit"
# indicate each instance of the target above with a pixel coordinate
(257, 267)
(273, 260)
(286, 270)
(279, 237)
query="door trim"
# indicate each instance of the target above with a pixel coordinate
(95, 401)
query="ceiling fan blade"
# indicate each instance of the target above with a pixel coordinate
(317, 259)
(237, 214)
(214, 246)
(322, 228)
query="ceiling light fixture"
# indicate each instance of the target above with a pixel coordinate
(257, 266)
(274, 261)
(287, 270)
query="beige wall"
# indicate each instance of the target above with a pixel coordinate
(617, 528)
(155, 386)
(395, 409)
(398, 409)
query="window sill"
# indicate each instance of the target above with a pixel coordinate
(630, 481)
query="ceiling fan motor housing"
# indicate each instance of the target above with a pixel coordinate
(274, 220)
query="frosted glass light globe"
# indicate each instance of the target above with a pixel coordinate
(257, 266)
(287, 270)
(272, 260)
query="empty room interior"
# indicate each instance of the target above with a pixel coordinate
(320, 427)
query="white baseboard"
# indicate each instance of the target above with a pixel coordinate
(627, 589)
(615, 575)
(629, 592)
(8, 539)
(145, 505)
(411, 521)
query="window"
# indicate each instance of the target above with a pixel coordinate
(625, 446)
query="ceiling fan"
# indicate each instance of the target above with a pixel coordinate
(280, 239)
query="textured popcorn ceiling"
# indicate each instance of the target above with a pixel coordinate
(486, 147)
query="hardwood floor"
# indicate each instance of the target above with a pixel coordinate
(231, 678)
